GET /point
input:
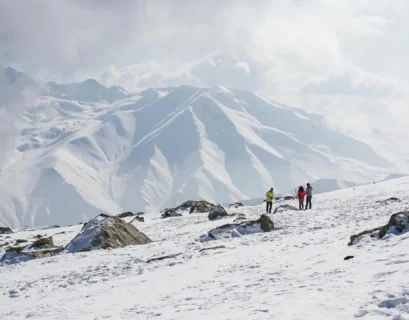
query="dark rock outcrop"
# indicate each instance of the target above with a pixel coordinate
(212, 248)
(5, 230)
(232, 230)
(236, 205)
(217, 213)
(106, 232)
(286, 198)
(285, 207)
(390, 200)
(398, 224)
(125, 214)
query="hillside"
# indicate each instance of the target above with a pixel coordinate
(297, 271)
(85, 148)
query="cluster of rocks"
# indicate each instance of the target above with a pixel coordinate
(5, 230)
(25, 250)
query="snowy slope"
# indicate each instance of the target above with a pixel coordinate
(86, 148)
(295, 272)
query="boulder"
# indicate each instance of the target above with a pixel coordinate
(201, 206)
(286, 198)
(217, 213)
(106, 232)
(169, 213)
(232, 230)
(5, 230)
(285, 207)
(140, 213)
(398, 224)
(41, 248)
(125, 214)
(18, 241)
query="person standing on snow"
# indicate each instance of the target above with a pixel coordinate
(301, 195)
(269, 200)
(309, 196)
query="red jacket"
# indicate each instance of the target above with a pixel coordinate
(301, 195)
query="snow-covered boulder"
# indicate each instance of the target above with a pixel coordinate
(398, 224)
(285, 207)
(5, 230)
(236, 205)
(263, 224)
(217, 213)
(106, 232)
(40, 248)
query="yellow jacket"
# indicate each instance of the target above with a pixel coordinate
(269, 196)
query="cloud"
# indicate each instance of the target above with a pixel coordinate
(213, 69)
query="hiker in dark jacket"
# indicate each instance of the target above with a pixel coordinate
(309, 196)
(301, 195)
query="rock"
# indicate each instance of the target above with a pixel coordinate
(170, 213)
(39, 236)
(212, 248)
(398, 224)
(164, 257)
(236, 205)
(348, 257)
(43, 243)
(217, 212)
(387, 201)
(106, 232)
(285, 207)
(240, 217)
(18, 241)
(140, 219)
(125, 214)
(201, 206)
(55, 226)
(5, 230)
(140, 213)
(286, 198)
(263, 224)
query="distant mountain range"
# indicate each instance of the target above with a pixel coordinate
(86, 148)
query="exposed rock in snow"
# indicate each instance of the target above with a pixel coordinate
(217, 213)
(163, 257)
(138, 218)
(398, 224)
(212, 248)
(201, 206)
(125, 214)
(40, 248)
(390, 200)
(169, 213)
(105, 232)
(284, 207)
(263, 224)
(5, 230)
(236, 205)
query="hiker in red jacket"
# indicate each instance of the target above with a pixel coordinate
(301, 195)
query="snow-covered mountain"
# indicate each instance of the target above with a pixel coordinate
(85, 148)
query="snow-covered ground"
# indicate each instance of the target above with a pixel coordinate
(297, 271)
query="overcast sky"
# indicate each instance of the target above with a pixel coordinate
(302, 52)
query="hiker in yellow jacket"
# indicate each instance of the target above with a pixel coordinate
(269, 200)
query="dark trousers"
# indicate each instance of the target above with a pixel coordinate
(269, 206)
(301, 203)
(308, 202)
